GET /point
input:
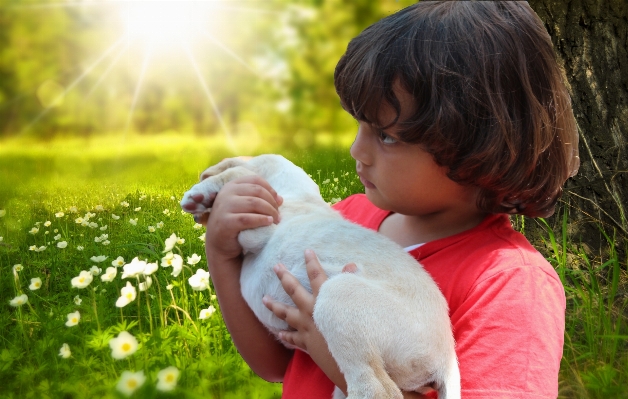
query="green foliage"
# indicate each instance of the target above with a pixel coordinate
(595, 357)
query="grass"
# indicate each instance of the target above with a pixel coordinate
(142, 179)
(109, 198)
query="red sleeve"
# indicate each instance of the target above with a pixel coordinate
(509, 333)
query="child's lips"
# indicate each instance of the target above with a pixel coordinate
(366, 183)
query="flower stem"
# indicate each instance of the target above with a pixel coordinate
(95, 309)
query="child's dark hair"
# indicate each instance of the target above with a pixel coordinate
(489, 99)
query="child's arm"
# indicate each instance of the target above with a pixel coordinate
(244, 203)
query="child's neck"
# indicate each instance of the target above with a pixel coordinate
(407, 230)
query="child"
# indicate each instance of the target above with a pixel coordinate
(463, 119)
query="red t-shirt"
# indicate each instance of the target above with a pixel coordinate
(506, 304)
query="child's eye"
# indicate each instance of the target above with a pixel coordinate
(386, 139)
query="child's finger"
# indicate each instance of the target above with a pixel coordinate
(299, 295)
(315, 271)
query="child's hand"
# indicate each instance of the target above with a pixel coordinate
(243, 203)
(305, 335)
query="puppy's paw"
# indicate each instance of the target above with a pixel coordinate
(199, 199)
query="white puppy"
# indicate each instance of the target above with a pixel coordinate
(386, 325)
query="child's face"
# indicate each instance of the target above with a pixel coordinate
(403, 177)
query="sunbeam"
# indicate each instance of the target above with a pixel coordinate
(228, 51)
(106, 73)
(208, 93)
(74, 83)
(138, 87)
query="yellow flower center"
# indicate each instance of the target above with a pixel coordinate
(126, 347)
(74, 320)
(37, 284)
(81, 279)
(131, 383)
(129, 296)
(169, 378)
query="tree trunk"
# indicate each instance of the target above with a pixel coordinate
(591, 41)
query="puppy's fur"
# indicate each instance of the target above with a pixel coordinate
(386, 325)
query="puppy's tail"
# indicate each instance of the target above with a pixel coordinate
(449, 386)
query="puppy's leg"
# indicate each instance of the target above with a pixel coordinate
(200, 197)
(353, 336)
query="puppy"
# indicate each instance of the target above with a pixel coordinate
(386, 325)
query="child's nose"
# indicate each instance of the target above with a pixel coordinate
(359, 148)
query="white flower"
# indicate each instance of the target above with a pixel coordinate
(115, 217)
(180, 240)
(2, 213)
(32, 248)
(199, 281)
(124, 204)
(17, 268)
(98, 259)
(80, 247)
(85, 223)
(109, 275)
(57, 237)
(123, 345)
(62, 244)
(151, 229)
(1, 238)
(103, 228)
(133, 221)
(73, 319)
(167, 378)
(146, 284)
(47, 232)
(169, 287)
(77, 300)
(99, 208)
(159, 225)
(93, 225)
(202, 237)
(170, 242)
(127, 295)
(139, 208)
(79, 220)
(40, 249)
(47, 223)
(174, 260)
(106, 242)
(34, 230)
(194, 259)
(206, 313)
(166, 212)
(19, 300)
(95, 270)
(64, 352)
(118, 262)
(150, 268)
(59, 214)
(130, 381)
(133, 269)
(35, 284)
(198, 226)
(73, 209)
(83, 279)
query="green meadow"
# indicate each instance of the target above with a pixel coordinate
(77, 212)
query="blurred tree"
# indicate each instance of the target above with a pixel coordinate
(591, 41)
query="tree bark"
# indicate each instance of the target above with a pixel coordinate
(591, 41)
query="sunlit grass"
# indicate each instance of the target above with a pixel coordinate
(75, 214)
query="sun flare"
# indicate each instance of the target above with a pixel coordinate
(162, 25)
